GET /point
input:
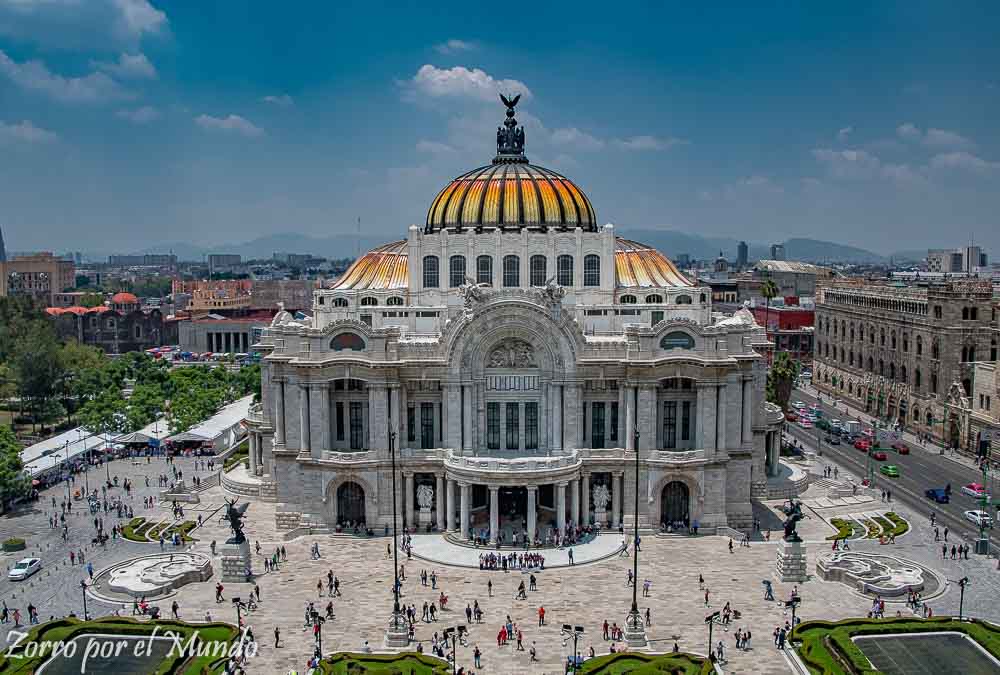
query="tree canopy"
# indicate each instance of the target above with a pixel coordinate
(781, 378)
(13, 482)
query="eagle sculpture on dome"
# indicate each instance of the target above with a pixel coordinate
(510, 103)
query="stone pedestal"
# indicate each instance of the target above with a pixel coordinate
(601, 519)
(635, 635)
(424, 517)
(397, 635)
(791, 563)
(235, 560)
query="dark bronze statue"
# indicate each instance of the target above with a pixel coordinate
(235, 515)
(794, 514)
(510, 138)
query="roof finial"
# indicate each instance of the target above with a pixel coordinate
(510, 137)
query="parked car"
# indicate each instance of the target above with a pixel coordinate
(791, 416)
(940, 495)
(880, 455)
(976, 490)
(890, 470)
(23, 569)
(901, 448)
(805, 424)
(862, 444)
(980, 518)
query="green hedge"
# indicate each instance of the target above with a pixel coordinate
(69, 628)
(14, 544)
(899, 526)
(130, 530)
(845, 528)
(826, 646)
(410, 663)
(639, 663)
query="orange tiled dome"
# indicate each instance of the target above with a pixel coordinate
(124, 298)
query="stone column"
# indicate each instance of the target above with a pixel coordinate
(574, 501)
(616, 500)
(532, 510)
(279, 414)
(395, 405)
(319, 418)
(439, 493)
(705, 415)
(585, 513)
(465, 488)
(557, 418)
(304, 418)
(450, 506)
(494, 512)
(252, 441)
(560, 507)
(645, 416)
(629, 418)
(378, 417)
(408, 498)
(452, 416)
(467, 442)
(746, 436)
(720, 419)
(571, 417)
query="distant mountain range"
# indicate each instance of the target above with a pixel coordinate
(670, 242)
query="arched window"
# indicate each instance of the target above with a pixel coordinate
(892, 339)
(654, 299)
(677, 340)
(852, 332)
(456, 271)
(916, 378)
(395, 301)
(906, 342)
(842, 355)
(564, 270)
(850, 357)
(484, 270)
(351, 341)
(935, 349)
(683, 300)
(431, 271)
(369, 301)
(861, 333)
(933, 383)
(881, 367)
(881, 337)
(930, 418)
(993, 350)
(592, 270)
(511, 271)
(871, 334)
(916, 415)
(972, 353)
(538, 267)
(627, 299)
(871, 365)
(340, 302)
(973, 313)
(965, 314)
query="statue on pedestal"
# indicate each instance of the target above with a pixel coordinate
(235, 515)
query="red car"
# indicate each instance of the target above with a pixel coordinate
(901, 448)
(791, 417)
(862, 445)
(880, 456)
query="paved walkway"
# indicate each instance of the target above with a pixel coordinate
(436, 549)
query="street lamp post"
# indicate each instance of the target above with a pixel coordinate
(575, 632)
(69, 473)
(793, 603)
(239, 616)
(452, 634)
(83, 590)
(710, 620)
(398, 634)
(635, 631)
(962, 583)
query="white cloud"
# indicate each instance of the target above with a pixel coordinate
(129, 67)
(938, 139)
(230, 124)
(454, 46)
(71, 24)
(25, 132)
(434, 148)
(862, 165)
(461, 82)
(965, 161)
(35, 76)
(283, 100)
(576, 139)
(645, 143)
(143, 115)
(844, 133)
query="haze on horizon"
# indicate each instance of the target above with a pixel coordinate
(125, 123)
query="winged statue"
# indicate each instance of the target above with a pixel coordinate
(510, 103)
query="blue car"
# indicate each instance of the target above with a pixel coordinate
(940, 495)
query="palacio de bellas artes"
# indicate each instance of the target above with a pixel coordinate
(513, 356)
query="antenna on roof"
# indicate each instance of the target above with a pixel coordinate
(357, 252)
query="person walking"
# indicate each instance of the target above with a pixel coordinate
(277, 637)
(541, 616)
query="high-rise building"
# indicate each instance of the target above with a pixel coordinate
(40, 275)
(956, 260)
(777, 252)
(742, 255)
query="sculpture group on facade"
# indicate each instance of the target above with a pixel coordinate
(512, 353)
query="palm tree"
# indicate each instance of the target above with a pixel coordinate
(768, 289)
(780, 379)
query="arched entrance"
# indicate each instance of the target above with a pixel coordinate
(350, 504)
(674, 501)
(953, 434)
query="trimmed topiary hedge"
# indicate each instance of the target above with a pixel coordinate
(14, 544)
(342, 663)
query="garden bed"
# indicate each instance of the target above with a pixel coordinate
(640, 663)
(343, 663)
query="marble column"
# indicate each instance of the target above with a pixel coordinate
(304, 431)
(560, 507)
(279, 414)
(319, 419)
(532, 511)
(574, 501)
(557, 418)
(645, 417)
(629, 418)
(252, 441)
(450, 505)
(616, 501)
(408, 498)
(704, 406)
(585, 513)
(746, 433)
(467, 396)
(439, 493)
(720, 419)
(465, 489)
(494, 512)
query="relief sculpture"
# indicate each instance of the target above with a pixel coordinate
(512, 353)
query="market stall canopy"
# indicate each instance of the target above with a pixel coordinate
(134, 437)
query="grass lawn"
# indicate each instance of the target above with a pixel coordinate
(342, 663)
(826, 647)
(845, 528)
(130, 531)
(899, 526)
(241, 453)
(646, 664)
(66, 629)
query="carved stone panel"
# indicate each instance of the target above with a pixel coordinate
(512, 353)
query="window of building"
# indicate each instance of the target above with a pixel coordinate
(537, 265)
(916, 378)
(357, 423)
(111, 324)
(493, 426)
(426, 425)
(531, 425)
(934, 387)
(892, 339)
(676, 340)
(456, 271)
(881, 337)
(686, 420)
(591, 270)
(937, 311)
(670, 424)
(993, 350)
(511, 271)
(484, 270)
(627, 299)
(930, 418)
(431, 279)
(340, 302)
(138, 332)
(613, 423)
(597, 424)
(701, 298)
(654, 299)
(369, 301)
(655, 317)
(351, 341)
(686, 300)
(906, 342)
(394, 301)
(935, 350)
(965, 314)
(513, 426)
(340, 420)
(564, 270)
(322, 300)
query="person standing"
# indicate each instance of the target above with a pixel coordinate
(541, 616)
(277, 637)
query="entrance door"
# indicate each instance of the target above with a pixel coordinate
(350, 503)
(674, 504)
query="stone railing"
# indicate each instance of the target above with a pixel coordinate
(255, 415)
(772, 413)
(497, 464)
(681, 456)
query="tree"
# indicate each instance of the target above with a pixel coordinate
(781, 378)
(82, 281)
(37, 367)
(92, 300)
(769, 290)
(105, 413)
(143, 405)
(13, 481)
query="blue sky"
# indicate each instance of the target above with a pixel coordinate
(128, 122)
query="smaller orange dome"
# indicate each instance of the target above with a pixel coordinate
(124, 298)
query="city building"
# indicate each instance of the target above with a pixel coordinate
(40, 275)
(115, 329)
(228, 296)
(907, 353)
(793, 279)
(144, 260)
(3, 249)
(222, 262)
(221, 334)
(789, 328)
(742, 255)
(956, 261)
(777, 252)
(515, 354)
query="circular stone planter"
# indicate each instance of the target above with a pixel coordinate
(874, 574)
(151, 576)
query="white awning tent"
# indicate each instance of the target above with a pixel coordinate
(222, 430)
(65, 447)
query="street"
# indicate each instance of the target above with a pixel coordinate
(923, 468)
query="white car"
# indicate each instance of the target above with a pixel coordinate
(23, 569)
(980, 518)
(798, 405)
